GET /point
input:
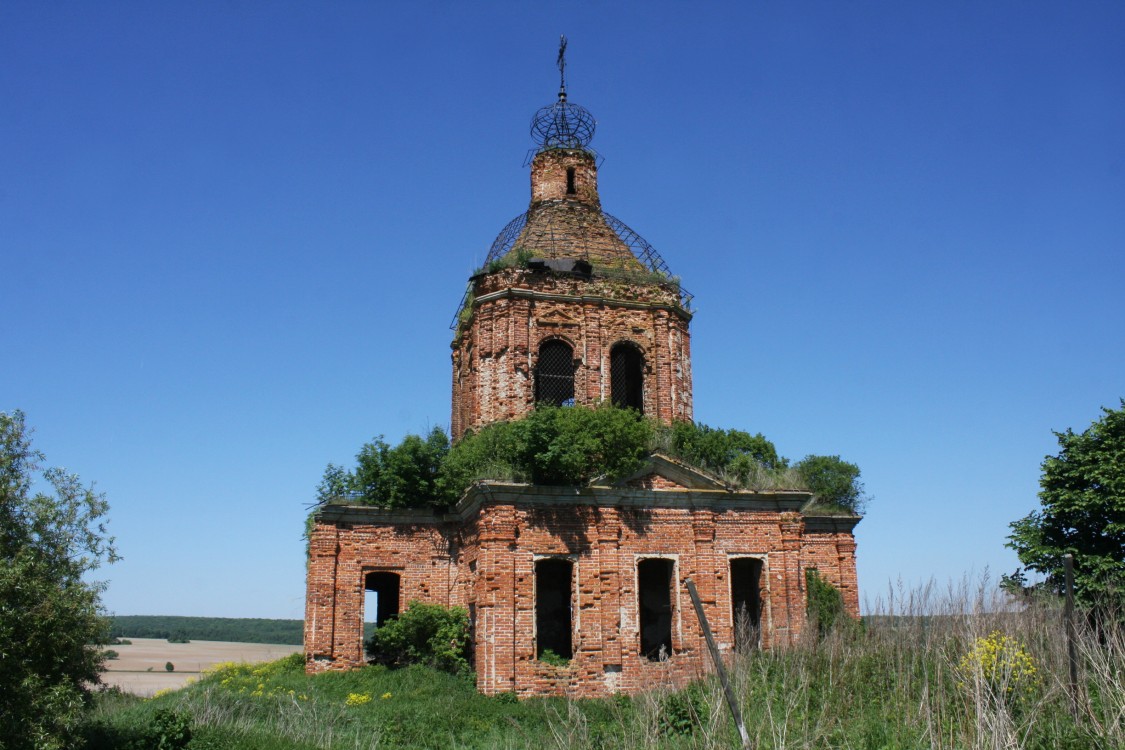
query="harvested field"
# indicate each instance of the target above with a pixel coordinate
(140, 667)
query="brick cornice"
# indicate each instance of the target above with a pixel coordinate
(831, 524)
(597, 299)
(516, 494)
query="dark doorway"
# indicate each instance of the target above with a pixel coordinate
(654, 590)
(553, 579)
(626, 377)
(746, 601)
(386, 588)
(554, 374)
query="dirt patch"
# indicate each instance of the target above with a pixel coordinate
(140, 667)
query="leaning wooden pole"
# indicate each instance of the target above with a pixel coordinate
(715, 657)
(1072, 656)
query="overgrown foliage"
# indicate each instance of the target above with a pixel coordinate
(574, 446)
(731, 451)
(834, 482)
(50, 616)
(908, 680)
(427, 634)
(1083, 513)
(824, 602)
(753, 462)
(552, 445)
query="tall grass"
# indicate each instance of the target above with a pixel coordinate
(959, 667)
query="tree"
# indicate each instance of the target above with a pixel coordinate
(833, 481)
(1082, 492)
(50, 619)
(721, 450)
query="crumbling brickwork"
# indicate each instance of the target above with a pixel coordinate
(483, 556)
(516, 310)
(578, 590)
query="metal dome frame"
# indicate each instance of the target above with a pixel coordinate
(639, 246)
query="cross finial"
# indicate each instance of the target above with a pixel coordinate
(562, 68)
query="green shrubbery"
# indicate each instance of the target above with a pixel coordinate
(825, 603)
(574, 446)
(426, 634)
(950, 673)
(552, 445)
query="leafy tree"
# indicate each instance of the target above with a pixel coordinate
(1082, 492)
(556, 445)
(573, 445)
(402, 476)
(49, 616)
(833, 481)
(724, 450)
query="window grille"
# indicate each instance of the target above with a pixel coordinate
(554, 374)
(626, 377)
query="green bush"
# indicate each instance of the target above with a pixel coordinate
(825, 603)
(426, 634)
(170, 729)
(683, 712)
(548, 656)
(833, 481)
(554, 445)
(573, 445)
(724, 450)
(551, 445)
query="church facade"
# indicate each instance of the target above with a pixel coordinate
(577, 590)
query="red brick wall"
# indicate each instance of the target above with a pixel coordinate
(516, 310)
(487, 558)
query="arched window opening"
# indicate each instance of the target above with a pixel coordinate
(570, 185)
(626, 377)
(554, 374)
(553, 590)
(746, 601)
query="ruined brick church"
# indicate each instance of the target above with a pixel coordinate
(573, 307)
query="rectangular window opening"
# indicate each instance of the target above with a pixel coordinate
(380, 601)
(553, 592)
(570, 186)
(654, 589)
(746, 601)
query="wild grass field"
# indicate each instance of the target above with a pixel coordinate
(953, 669)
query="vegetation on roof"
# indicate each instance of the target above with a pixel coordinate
(576, 446)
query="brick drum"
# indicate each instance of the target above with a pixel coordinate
(600, 570)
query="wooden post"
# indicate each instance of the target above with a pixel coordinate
(1072, 656)
(717, 659)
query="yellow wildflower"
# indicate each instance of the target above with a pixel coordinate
(357, 699)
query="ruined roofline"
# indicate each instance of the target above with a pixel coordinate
(598, 299)
(515, 493)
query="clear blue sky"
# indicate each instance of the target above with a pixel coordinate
(233, 235)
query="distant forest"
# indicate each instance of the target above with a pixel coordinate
(240, 630)
(236, 629)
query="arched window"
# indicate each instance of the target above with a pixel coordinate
(554, 374)
(626, 376)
